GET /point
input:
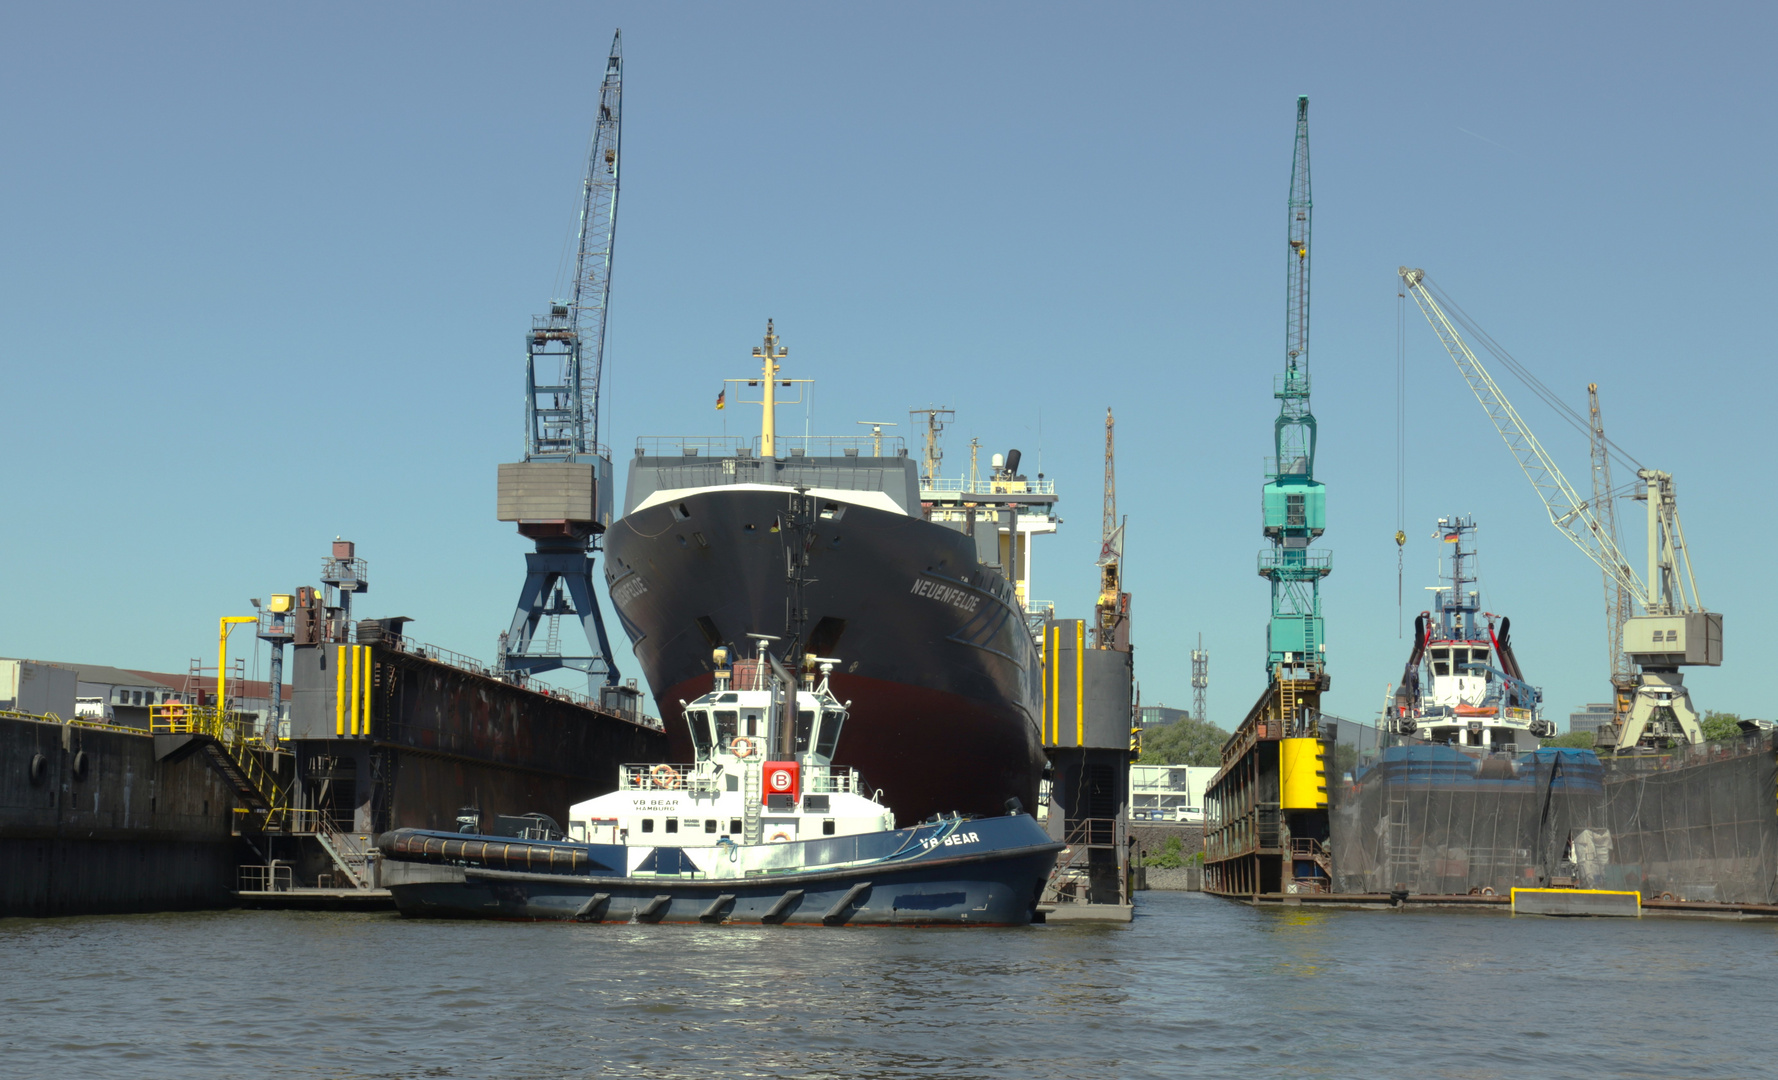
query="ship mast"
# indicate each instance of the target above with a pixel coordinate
(769, 354)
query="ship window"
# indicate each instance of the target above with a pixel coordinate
(805, 725)
(709, 825)
(700, 731)
(752, 720)
(1459, 657)
(831, 721)
(1479, 656)
(725, 726)
(672, 824)
(827, 827)
(1441, 654)
(1441, 668)
(734, 782)
(647, 824)
(734, 825)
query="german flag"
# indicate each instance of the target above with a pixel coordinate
(721, 397)
(1450, 538)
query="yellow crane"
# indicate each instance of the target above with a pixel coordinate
(1111, 615)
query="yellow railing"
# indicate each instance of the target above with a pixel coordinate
(234, 734)
(52, 718)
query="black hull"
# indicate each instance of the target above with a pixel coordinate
(942, 672)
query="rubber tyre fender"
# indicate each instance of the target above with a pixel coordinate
(39, 769)
(81, 764)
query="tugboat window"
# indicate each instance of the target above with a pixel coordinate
(672, 825)
(710, 825)
(1459, 657)
(734, 782)
(647, 824)
(734, 825)
(752, 720)
(830, 732)
(805, 724)
(827, 827)
(700, 731)
(725, 726)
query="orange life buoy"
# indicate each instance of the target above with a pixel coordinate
(742, 746)
(780, 837)
(665, 776)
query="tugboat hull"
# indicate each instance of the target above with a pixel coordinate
(994, 879)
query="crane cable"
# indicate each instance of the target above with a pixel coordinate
(1401, 447)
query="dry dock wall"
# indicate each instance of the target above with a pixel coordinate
(104, 828)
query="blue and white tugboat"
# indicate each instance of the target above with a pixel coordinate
(761, 828)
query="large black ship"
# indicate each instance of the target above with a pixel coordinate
(917, 584)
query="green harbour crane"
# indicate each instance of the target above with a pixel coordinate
(1268, 803)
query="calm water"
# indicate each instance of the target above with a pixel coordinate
(1195, 987)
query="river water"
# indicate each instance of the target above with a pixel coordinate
(1194, 987)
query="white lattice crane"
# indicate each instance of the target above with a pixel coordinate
(1674, 629)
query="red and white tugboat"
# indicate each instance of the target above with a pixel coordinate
(1462, 685)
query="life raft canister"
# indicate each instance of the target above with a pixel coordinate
(783, 778)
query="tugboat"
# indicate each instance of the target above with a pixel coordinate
(1462, 685)
(762, 827)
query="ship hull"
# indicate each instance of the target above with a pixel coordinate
(934, 651)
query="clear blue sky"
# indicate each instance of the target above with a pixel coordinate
(266, 270)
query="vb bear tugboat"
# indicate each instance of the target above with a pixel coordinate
(761, 828)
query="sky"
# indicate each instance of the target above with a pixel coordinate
(265, 271)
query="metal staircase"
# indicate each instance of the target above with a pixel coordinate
(349, 852)
(225, 742)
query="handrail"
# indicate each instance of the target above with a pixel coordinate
(52, 718)
(179, 718)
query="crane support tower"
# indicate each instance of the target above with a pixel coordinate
(1267, 825)
(560, 495)
(1111, 614)
(1674, 629)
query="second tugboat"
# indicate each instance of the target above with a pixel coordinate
(1462, 685)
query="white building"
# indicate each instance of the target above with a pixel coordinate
(1172, 793)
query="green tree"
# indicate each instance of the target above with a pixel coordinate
(1187, 741)
(1579, 740)
(1721, 725)
(1169, 857)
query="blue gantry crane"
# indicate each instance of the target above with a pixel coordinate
(560, 495)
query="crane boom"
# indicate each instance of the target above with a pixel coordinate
(1617, 597)
(1570, 513)
(564, 414)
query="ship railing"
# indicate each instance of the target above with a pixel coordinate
(963, 485)
(831, 780)
(666, 777)
(783, 446)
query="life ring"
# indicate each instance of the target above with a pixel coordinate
(39, 769)
(742, 746)
(665, 776)
(780, 838)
